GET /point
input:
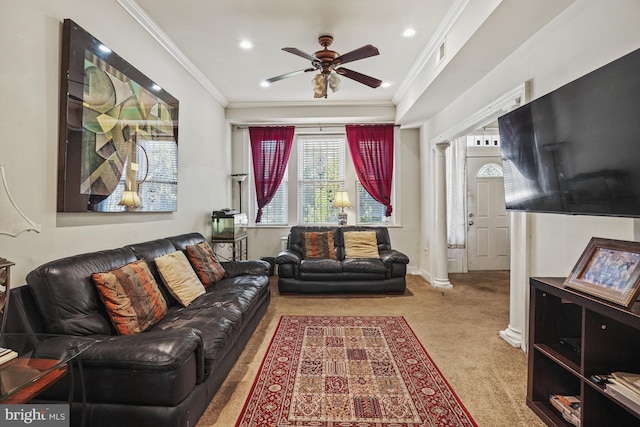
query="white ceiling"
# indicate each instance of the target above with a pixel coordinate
(205, 35)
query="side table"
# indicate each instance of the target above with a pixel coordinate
(42, 360)
(238, 247)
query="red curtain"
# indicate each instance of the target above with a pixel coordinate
(371, 149)
(270, 149)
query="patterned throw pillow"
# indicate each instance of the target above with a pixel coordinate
(178, 275)
(318, 244)
(360, 244)
(131, 296)
(204, 263)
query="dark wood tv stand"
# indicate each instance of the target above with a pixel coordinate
(608, 340)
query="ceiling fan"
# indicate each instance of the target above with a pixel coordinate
(327, 62)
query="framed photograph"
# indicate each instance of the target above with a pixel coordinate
(608, 269)
(118, 137)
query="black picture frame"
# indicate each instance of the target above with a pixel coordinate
(118, 130)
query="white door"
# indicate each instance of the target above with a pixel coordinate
(488, 221)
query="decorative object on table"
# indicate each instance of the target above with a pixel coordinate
(228, 224)
(608, 269)
(341, 200)
(12, 223)
(350, 370)
(111, 115)
(229, 232)
(239, 178)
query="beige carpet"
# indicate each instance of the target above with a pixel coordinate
(458, 328)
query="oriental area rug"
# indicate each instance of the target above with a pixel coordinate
(324, 371)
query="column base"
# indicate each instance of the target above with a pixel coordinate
(512, 336)
(441, 284)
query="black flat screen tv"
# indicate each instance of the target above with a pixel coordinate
(576, 150)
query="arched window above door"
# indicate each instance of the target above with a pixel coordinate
(490, 170)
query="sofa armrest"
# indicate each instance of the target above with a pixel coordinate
(164, 350)
(246, 267)
(289, 257)
(392, 256)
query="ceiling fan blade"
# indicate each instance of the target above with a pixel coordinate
(298, 52)
(287, 75)
(359, 77)
(354, 55)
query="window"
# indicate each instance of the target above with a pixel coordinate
(275, 213)
(369, 210)
(490, 170)
(319, 166)
(320, 175)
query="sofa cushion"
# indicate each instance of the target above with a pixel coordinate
(323, 265)
(131, 296)
(204, 263)
(364, 265)
(179, 277)
(360, 244)
(319, 244)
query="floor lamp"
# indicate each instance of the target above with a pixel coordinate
(239, 177)
(12, 223)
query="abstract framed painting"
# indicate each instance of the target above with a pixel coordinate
(118, 140)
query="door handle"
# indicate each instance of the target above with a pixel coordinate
(470, 222)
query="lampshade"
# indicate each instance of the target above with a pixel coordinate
(341, 200)
(239, 177)
(130, 199)
(12, 220)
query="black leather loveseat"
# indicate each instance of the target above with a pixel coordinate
(164, 376)
(298, 272)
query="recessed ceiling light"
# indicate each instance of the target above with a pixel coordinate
(265, 83)
(104, 48)
(156, 87)
(246, 44)
(385, 84)
(409, 32)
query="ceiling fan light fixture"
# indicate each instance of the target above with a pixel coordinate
(334, 82)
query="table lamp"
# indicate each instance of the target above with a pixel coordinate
(341, 200)
(12, 223)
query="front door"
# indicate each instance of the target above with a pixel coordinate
(488, 238)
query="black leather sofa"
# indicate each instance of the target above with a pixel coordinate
(165, 376)
(386, 274)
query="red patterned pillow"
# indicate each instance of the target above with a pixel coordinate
(131, 296)
(204, 263)
(318, 244)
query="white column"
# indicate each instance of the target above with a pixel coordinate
(518, 282)
(440, 277)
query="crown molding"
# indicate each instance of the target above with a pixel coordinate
(319, 104)
(139, 14)
(443, 29)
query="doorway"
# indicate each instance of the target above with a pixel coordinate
(488, 234)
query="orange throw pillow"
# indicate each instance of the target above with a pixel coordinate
(131, 296)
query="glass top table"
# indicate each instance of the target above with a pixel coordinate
(41, 361)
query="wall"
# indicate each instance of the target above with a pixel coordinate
(265, 241)
(29, 85)
(587, 35)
